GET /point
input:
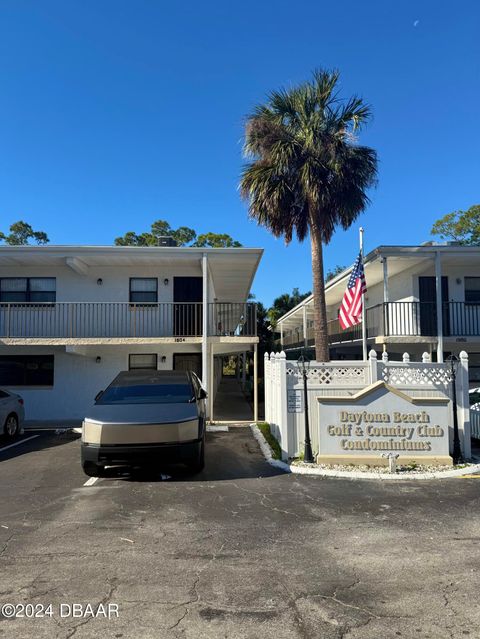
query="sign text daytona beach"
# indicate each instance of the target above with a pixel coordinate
(381, 420)
(361, 430)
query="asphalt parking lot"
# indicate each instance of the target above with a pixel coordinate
(237, 551)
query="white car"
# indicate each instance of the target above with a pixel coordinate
(12, 414)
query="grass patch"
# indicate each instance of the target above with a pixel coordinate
(272, 442)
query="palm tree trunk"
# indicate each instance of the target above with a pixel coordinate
(319, 306)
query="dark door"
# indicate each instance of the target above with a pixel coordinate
(187, 308)
(188, 362)
(428, 307)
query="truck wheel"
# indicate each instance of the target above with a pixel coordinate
(198, 464)
(92, 469)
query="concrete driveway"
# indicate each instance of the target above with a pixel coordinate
(238, 551)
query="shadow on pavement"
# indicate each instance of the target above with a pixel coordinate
(33, 441)
(228, 456)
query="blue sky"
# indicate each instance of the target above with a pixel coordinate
(114, 114)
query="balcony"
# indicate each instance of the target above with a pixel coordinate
(84, 320)
(401, 319)
(419, 319)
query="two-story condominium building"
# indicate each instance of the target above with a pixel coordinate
(419, 299)
(72, 317)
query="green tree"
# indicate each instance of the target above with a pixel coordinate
(336, 270)
(21, 233)
(307, 175)
(160, 228)
(460, 226)
(284, 303)
(184, 236)
(216, 240)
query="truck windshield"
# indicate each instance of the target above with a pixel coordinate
(147, 394)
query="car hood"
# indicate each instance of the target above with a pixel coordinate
(142, 413)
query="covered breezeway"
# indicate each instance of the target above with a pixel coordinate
(236, 388)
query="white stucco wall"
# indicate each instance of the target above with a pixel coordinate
(73, 287)
(78, 378)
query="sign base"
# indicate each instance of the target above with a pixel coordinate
(377, 460)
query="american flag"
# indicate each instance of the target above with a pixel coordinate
(351, 309)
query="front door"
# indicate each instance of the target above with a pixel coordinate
(187, 308)
(428, 309)
(188, 362)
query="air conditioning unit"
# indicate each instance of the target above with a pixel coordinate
(166, 241)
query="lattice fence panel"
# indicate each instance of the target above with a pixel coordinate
(412, 375)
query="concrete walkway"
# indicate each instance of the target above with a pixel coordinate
(230, 403)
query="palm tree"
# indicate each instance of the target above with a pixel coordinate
(307, 174)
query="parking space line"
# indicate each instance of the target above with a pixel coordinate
(18, 443)
(91, 481)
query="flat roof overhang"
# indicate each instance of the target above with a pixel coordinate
(232, 269)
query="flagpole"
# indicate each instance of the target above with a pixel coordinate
(364, 311)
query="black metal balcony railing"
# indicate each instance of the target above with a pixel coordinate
(402, 319)
(122, 319)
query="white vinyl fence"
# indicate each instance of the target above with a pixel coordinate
(284, 400)
(475, 420)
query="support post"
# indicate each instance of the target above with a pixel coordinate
(385, 280)
(244, 369)
(281, 336)
(205, 321)
(255, 382)
(385, 297)
(212, 381)
(438, 301)
(305, 340)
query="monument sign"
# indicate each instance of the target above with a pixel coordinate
(380, 419)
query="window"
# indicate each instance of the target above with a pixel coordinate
(143, 290)
(142, 361)
(28, 289)
(472, 290)
(26, 370)
(147, 393)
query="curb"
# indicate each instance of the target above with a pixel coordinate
(344, 474)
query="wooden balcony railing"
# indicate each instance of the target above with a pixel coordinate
(121, 319)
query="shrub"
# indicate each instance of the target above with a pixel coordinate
(272, 442)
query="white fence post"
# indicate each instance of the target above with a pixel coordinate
(266, 385)
(463, 405)
(373, 364)
(282, 404)
(426, 358)
(273, 390)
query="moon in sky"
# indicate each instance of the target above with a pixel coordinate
(416, 23)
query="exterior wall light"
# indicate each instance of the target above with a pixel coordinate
(99, 281)
(98, 359)
(164, 359)
(165, 281)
